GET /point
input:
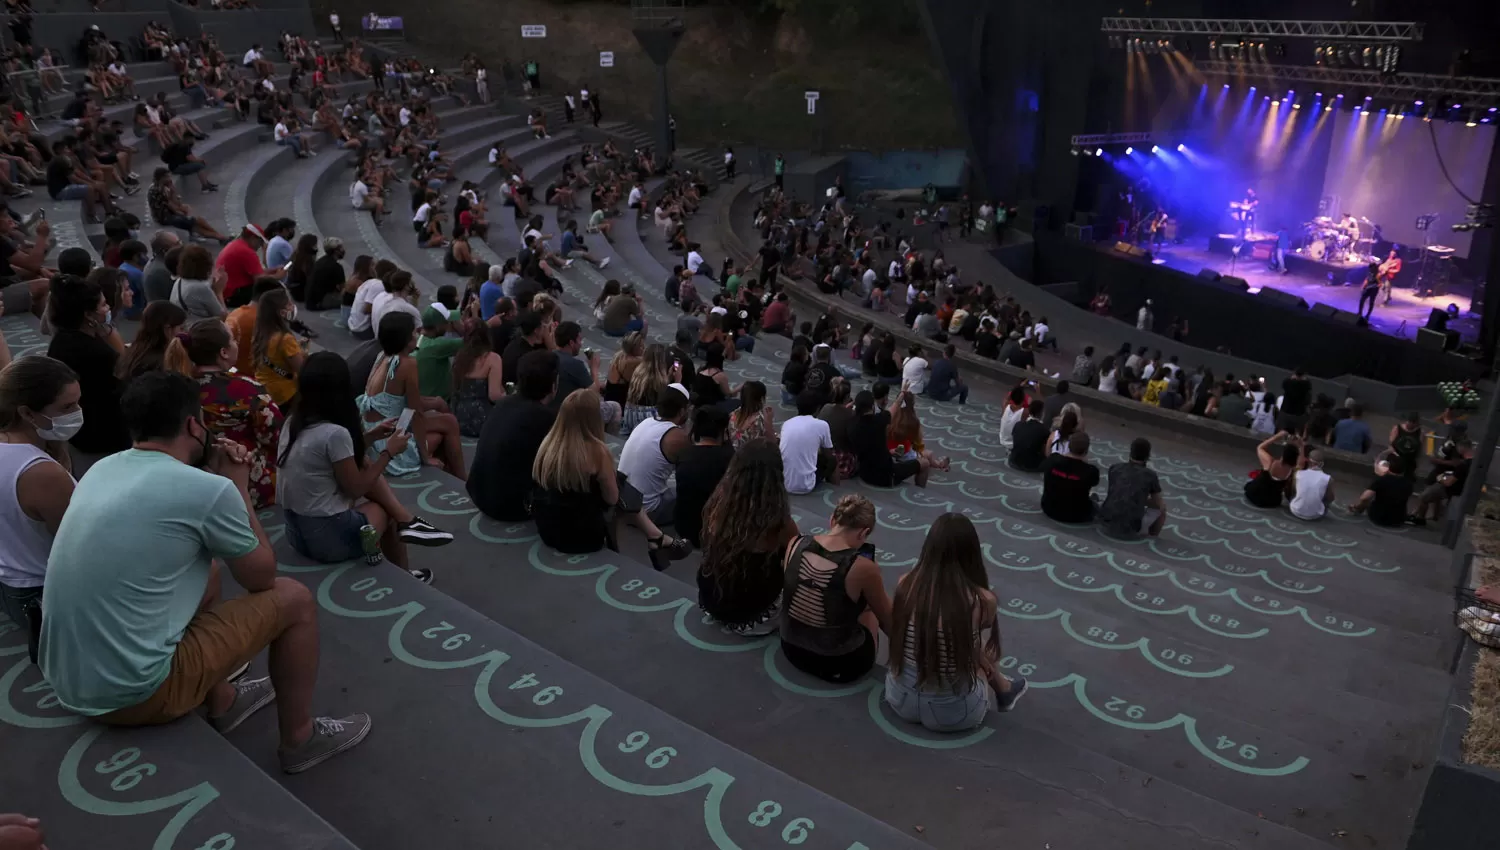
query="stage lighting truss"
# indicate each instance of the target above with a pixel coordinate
(1099, 140)
(1473, 92)
(1138, 43)
(1385, 58)
(1238, 29)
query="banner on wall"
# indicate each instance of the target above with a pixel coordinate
(382, 22)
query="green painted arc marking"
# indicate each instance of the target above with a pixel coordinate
(715, 779)
(1188, 723)
(1141, 644)
(768, 660)
(192, 800)
(680, 621)
(489, 538)
(873, 703)
(13, 716)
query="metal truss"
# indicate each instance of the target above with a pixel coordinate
(1097, 139)
(1475, 91)
(1238, 27)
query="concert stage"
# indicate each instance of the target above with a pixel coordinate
(1308, 280)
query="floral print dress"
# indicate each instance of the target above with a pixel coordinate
(241, 410)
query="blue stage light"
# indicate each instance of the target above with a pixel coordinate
(1129, 151)
(1181, 148)
(1098, 151)
(1155, 149)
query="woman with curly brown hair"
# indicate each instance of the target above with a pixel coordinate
(834, 605)
(747, 524)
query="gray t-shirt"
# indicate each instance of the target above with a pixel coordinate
(572, 375)
(691, 323)
(306, 484)
(197, 298)
(158, 281)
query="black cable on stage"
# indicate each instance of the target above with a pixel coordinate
(1433, 131)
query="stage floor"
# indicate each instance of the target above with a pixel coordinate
(1402, 317)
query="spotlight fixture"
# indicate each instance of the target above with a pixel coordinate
(1129, 150)
(1098, 151)
(1473, 118)
(1075, 151)
(1181, 148)
(1155, 149)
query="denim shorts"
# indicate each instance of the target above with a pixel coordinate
(73, 192)
(937, 711)
(327, 539)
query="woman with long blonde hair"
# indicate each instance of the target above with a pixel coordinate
(622, 367)
(944, 668)
(646, 384)
(747, 524)
(579, 496)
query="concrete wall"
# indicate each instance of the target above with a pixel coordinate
(905, 170)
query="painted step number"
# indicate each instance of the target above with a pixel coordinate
(1247, 752)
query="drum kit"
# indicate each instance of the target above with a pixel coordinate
(1325, 240)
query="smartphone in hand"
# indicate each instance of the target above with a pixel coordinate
(867, 550)
(403, 424)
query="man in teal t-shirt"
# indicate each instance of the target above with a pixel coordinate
(133, 631)
(780, 171)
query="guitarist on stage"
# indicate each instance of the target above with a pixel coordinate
(1158, 229)
(1388, 271)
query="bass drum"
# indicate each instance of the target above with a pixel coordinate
(1318, 249)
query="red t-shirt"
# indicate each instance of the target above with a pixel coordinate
(776, 315)
(241, 265)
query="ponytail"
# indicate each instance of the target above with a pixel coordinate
(176, 359)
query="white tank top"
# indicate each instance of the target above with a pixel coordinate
(1312, 485)
(643, 463)
(24, 542)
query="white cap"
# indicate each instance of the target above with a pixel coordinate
(680, 388)
(722, 311)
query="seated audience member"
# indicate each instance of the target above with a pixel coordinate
(235, 408)
(840, 415)
(1068, 481)
(648, 383)
(325, 287)
(1385, 498)
(1268, 485)
(652, 450)
(623, 314)
(1234, 405)
(84, 339)
(944, 385)
(241, 322)
(807, 447)
(700, 468)
(747, 525)
(1352, 434)
(904, 438)
(834, 605)
(478, 379)
(1085, 371)
(579, 496)
(944, 669)
(194, 290)
(393, 387)
(1311, 489)
(159, 326)
(868, 436)
(39, 411)
(133, 632)
(275, 350)
(1445, 482)
(1133, 503)
(1029, 438)
(330, 489)
(754, 419)
(501, 474)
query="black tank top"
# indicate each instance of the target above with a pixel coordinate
(817, 614)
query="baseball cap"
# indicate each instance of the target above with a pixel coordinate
(254, 230)
(433, 318)
(680, 388)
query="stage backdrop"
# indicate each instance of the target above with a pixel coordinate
(1385, 169)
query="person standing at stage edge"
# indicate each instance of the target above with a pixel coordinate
(1145, 320)
(1369, 292)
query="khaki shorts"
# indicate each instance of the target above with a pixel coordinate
(215, 644)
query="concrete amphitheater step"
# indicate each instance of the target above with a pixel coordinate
(179, 785)
(504, 738)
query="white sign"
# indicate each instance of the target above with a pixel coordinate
(606, 59)
(534, 31)
(812, 102)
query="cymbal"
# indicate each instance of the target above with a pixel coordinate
(1323, 219)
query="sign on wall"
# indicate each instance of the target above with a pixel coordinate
(812, 102)
(606, 59)
(533, 30)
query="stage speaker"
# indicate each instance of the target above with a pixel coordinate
(1437, 320)
(1283, 299)
(1324, 311)
(1346, 318)
(1429, 338)
(1130, 250)
(1081, 232)
(1208, 274)
(1238, 284)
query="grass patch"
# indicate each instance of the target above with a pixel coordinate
(1482, 740)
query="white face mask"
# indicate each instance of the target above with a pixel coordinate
(64, 426)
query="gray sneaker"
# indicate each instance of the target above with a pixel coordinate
(250, 696)
(330, 737)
